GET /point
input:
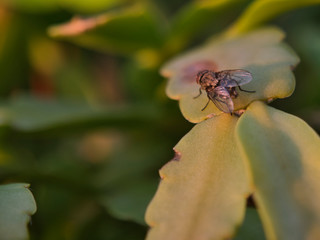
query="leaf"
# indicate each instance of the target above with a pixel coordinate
(125, 31)
(93, 6)
(32, 5)
(283, 156)
(261, 11)
(198, 16)
(202, 194)
(40, 6)
(251, 227)
(16, 206)
(260, 52)
(33, 115)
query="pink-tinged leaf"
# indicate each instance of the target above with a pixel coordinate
(260, 52)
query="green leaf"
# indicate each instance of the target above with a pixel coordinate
(251, 227)
(32, 5)
(33, 115)
(16, 206)
(40, 6)
(123, 31)
(197, 16)
(282, 152)
(202, 194)
(261, 11)
(260, 52)
(93, 6)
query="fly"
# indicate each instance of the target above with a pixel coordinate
(221, 86)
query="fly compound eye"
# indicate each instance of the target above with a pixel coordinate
(201, 75)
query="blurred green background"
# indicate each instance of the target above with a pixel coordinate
(84, 118)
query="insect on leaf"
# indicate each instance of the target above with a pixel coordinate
(260, 52)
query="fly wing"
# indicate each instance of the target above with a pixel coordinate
(233, 78)
(221, 98)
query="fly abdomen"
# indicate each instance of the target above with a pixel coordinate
(233, 92)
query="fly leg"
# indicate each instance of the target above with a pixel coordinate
(241, 89)
(205, 105)
(200, 92)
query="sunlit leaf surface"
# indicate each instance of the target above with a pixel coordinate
(203, 190)
(283, 155)
(260, 52)
(16, 206)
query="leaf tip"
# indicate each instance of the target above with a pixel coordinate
(76, 26)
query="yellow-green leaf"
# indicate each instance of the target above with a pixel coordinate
(261, 52)
(283, 154)
(202, 194)
(261, 11)
(16, 206)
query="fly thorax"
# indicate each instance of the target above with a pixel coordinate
(209, 81)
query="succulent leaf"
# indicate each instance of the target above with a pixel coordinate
(260, 52)
(282, 152)
(16, 206)
(202, 194)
